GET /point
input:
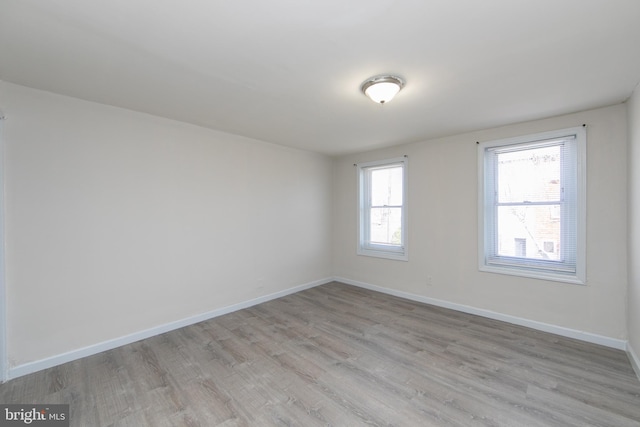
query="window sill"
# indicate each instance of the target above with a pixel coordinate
(540, 275)
(396, 256)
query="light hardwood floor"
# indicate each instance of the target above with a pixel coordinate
(344, 356)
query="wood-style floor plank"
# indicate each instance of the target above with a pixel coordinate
(336, 355)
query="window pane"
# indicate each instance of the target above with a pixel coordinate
(532, 205)
(531, 175)
(382, 217)
(386, 186)
(529, 232)
(386, 226)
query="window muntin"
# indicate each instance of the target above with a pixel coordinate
(532, 205)
(382, 209)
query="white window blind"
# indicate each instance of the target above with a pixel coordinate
(532, 210)
(382, 209)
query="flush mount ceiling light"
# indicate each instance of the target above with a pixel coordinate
(382, 89)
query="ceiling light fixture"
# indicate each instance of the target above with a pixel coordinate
(382, 89)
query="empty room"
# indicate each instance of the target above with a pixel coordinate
(320, 213)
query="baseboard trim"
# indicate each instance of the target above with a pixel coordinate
(533, 324)
(634, 359)
(59, 359)
(56, 360)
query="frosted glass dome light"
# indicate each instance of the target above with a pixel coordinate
(382, 89)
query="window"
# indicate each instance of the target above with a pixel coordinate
(532, 205)
(382, 209)
(520, 247)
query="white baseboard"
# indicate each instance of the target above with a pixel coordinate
(533, 324)
(59, 359)
(49, 362)
(634, 359)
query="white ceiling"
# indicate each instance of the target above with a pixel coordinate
(289, 71)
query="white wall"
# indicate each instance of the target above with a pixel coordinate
(443, 229)
(633, 308)
(118, 221)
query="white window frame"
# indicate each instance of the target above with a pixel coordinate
(365, 246)
(575, 204)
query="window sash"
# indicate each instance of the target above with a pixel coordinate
(367, 244)
(569, 249)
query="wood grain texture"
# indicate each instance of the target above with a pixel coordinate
(336, 355)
